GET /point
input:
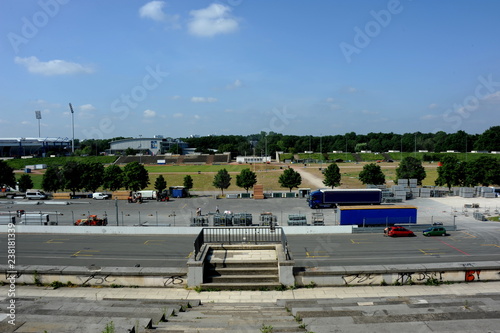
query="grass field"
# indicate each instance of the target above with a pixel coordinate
(21, 163)
(267, 175)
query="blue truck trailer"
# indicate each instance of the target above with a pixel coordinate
(335, 197)
(380, 215)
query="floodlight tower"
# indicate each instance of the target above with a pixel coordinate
(38, 115)
(73, 128)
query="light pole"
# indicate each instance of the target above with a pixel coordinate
(38, 115)
(73, 128)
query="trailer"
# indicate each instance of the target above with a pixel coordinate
(335, 197)
(380, 215)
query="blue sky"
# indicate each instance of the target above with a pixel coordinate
(180, 68)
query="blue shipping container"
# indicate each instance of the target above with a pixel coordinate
(378, 215)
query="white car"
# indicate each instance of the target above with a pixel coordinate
(99, 196)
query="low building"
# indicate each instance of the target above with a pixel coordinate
(146, 146)
(253, 159)
(16, 147)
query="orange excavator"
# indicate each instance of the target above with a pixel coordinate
(92, 220)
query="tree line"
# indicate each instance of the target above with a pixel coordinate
(268, 143)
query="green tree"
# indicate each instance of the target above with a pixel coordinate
(160, 183)
(93, 175)
(246, 179)
(7, 177)
(411, 167)
(332, 175)
(489, 140)
(188, 182)
(25, 182)
(112, 178)
(484, 171)
(372, 174)
(51, 181)
(71, 173)
(222, 180)
(130, 151)
(290, 179)
(135, 176)
(448, 172)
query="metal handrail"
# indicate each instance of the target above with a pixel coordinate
(235, 235)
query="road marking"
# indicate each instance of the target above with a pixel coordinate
(357, 241)
(56, 241)
(80, 254)
(184, 206)
(428, 253)
(153, 241)
(455, 248)
(490, 245)
(189, 255)
(308, 255)
(470, 236)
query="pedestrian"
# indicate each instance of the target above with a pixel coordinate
(217, 209)
(198, 211)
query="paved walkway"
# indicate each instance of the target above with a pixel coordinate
(476, 288)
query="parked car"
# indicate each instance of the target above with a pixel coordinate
(435, 231)
(99, 196)
(398, 232)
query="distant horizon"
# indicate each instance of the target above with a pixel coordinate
(220, 68)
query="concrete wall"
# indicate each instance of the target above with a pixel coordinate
(105, 276)
(319, 276)
(399, 274)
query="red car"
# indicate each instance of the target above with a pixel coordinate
(398, 232)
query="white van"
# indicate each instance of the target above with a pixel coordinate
(99, 196)
(36, 195)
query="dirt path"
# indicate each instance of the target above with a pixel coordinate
(313, 179)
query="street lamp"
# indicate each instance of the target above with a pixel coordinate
(73, 128)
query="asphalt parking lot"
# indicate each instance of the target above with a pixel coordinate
(180, 211)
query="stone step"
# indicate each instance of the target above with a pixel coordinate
(63, 323)
(229, 317)
(262, 286)
(223, 263)
(242, 271)
(242, 279)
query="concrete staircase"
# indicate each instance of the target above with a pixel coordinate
(444, 313)
(241, 267)
(54, 314)
(232, 317)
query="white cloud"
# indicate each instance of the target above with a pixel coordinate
(213, 20)
(87, 107)
(433, 106)
(178, 115)
(197, 117)
(176, 97)
(149, 113)
(235, 85)
(153, 10)
(494, 97)
(203, 99)
(368, 112)
(52, 67)
(330, 100)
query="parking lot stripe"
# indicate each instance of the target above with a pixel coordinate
(455, 248)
